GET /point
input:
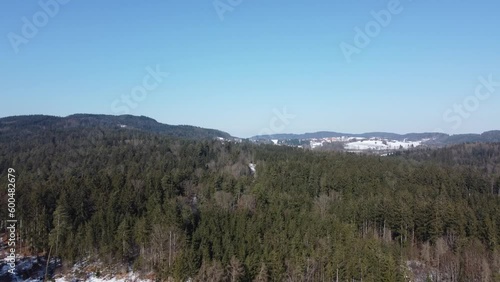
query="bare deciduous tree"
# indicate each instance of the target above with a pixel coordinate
(263, 275)
(235, 270)
(210, 272)
(450, 267)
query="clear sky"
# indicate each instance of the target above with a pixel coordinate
(347, 66)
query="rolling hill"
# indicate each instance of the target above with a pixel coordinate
(34, 124)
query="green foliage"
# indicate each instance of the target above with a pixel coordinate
(186, 208)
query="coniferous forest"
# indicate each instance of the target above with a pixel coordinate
(193, 208)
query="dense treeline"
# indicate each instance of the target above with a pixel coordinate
(476, 156)
(22, 127)
(194, 209)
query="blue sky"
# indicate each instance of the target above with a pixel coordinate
(239, 68)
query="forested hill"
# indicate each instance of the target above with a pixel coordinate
(484, 157)
(184, 208)
(22, 126)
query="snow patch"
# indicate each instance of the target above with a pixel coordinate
(376, 144)
(252, 167)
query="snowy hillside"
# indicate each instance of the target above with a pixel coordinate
(378, 144)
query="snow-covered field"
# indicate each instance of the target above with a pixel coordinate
(381, 145)
(357, 144)
(33, 269)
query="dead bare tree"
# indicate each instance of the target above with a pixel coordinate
(235, 270)
(263, 275)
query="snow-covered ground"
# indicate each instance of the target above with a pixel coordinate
(315, 144)
(252, 167)
(27, 269)
(96, 271)
(373, 144)
(118, 278)
(32, 269)
(357, 144)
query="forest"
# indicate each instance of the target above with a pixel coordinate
(192, 208)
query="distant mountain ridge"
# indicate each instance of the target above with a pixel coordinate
(435, 137)
(33, 124)
(29, 124)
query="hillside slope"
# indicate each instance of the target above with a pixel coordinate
(34, 124)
